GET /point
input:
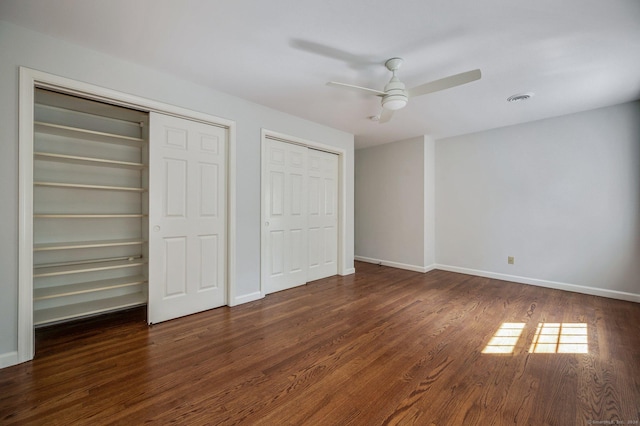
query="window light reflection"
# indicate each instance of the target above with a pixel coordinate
(505, 339)
(567, 338)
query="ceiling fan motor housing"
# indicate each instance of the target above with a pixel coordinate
(396, 96)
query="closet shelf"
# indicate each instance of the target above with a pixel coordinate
(61, 313)
(84, 134)
(86, 287)
(87, 216)
(89, 266)
(84, 186)
(91, 161)
(71, 106)
(86, 244)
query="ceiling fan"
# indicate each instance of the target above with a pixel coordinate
(395, 96)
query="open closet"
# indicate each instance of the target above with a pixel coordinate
(90, 207)
(124, 202)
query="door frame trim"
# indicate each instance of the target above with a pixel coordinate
(28, 81)
(342, 200)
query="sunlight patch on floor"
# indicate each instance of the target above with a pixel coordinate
(566, 338)
(550, 338)
(505, 339)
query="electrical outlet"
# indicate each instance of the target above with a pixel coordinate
(510, 260)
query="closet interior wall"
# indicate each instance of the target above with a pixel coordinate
(90, 203)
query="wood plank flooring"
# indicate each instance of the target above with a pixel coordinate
(381, 347)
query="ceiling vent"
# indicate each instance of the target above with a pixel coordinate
(519, 97)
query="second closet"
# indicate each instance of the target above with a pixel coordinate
(300, 214)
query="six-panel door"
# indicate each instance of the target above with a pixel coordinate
(285, 208)
(187, 217)
(322, 214)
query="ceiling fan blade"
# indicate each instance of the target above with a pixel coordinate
(357, 62)
(445, 83)
(385, 116)
(356, 88)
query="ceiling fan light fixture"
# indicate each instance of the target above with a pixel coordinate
(394, 102)
(396, 96)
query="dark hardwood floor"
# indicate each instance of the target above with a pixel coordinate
(381, 347)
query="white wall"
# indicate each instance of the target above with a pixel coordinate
(561, 195)
(429, 202)
(390, 204)
(21, 47)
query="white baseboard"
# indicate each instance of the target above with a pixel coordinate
(246, 298)
(594, 291)
(398, 265)
(8, 359)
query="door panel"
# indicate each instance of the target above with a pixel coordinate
(314, 247)
(323, 218)
(276, 244)
(187, 217)
(209, 174)
(175, 251)
(208, 270)
(285, 216)
(175, 184)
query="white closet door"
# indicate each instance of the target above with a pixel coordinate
(187, 217)
(284, 260)
(323, 214)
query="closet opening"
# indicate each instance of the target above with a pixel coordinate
(97, 222)
(90, 207)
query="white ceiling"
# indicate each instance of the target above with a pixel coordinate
(574, 55)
